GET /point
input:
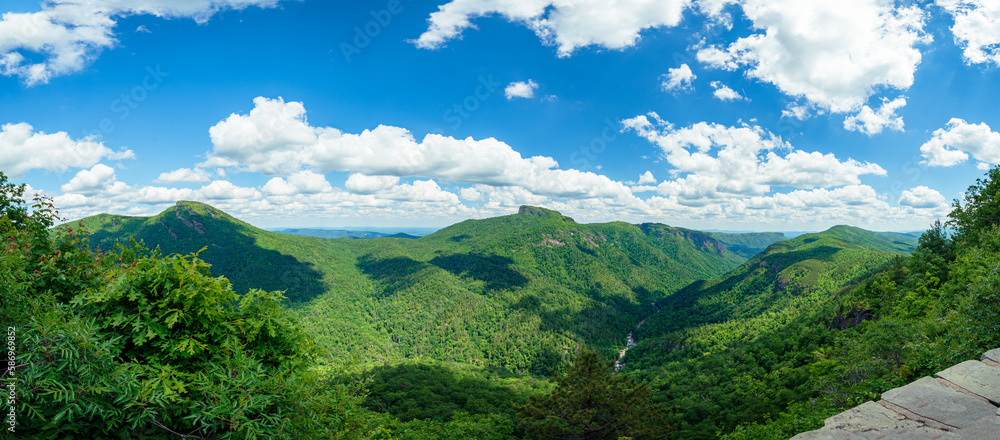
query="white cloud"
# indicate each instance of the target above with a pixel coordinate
(420, 191)
(870, 122)
(677, 79)
(521, 89)
(470, 194)
(309, 182)
(832, 54)
(496, 199)
(154, 195)
(91, 181)
(647, 178)
(800, 112)
(724, 93)
(23, 149)
(275, 139)
(69, 34)
(303, 182)
(715, 162)
(226, 190)
(922, 197)
(68, 201)
(196, 175)
(976, 29)
(569, 25)
(361, 184)
(953, 145)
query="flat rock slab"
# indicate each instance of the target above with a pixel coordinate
(872, 421)
(977, 377)
(986, 429)
(869, 416)
(933, 400)
(993, 355)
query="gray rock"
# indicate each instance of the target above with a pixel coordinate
(993, 355)
(931, 399)
(872, 421)
(976, 377)
(866, 417)
(985, 429)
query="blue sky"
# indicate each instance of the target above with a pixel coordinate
(741, 115)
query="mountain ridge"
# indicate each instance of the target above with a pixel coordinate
(746, 330)
(507, 291)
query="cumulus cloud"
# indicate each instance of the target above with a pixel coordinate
(226, 190)
(873, 122)
(832, 54)
(361, 184)
(303, 182)
(521, 89)
(495, 199)
(714, 163)
(678, 79)
(275, 139)
(952, 145)
(976, 29)
(184, 175)
(724, 93)
(23, 149)
(69, 34)
(420, 191)
(91, 181)
(922, 197)
(614, 24)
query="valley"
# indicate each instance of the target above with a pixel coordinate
(508, 292)
(519, 294)
(727, 336)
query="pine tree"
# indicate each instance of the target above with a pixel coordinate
(591, 403)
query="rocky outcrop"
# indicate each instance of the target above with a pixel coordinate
(701, 239)
(959, 403)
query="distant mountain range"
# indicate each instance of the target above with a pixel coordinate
(510, 291)
(725, 316)
(340, 233)
(360, 232)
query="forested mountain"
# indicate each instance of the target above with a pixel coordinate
(456, 331)
(516, 292)
(735, 348)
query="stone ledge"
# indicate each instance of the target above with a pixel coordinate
(977, 377)
(959, 403)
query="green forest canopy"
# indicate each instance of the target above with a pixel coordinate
(803, 330)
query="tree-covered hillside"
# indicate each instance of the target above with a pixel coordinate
(921, 314)
(736, 348)
(516, 292)
(131, 342)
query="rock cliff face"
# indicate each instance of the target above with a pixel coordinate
(702, 239)
(959, 403)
